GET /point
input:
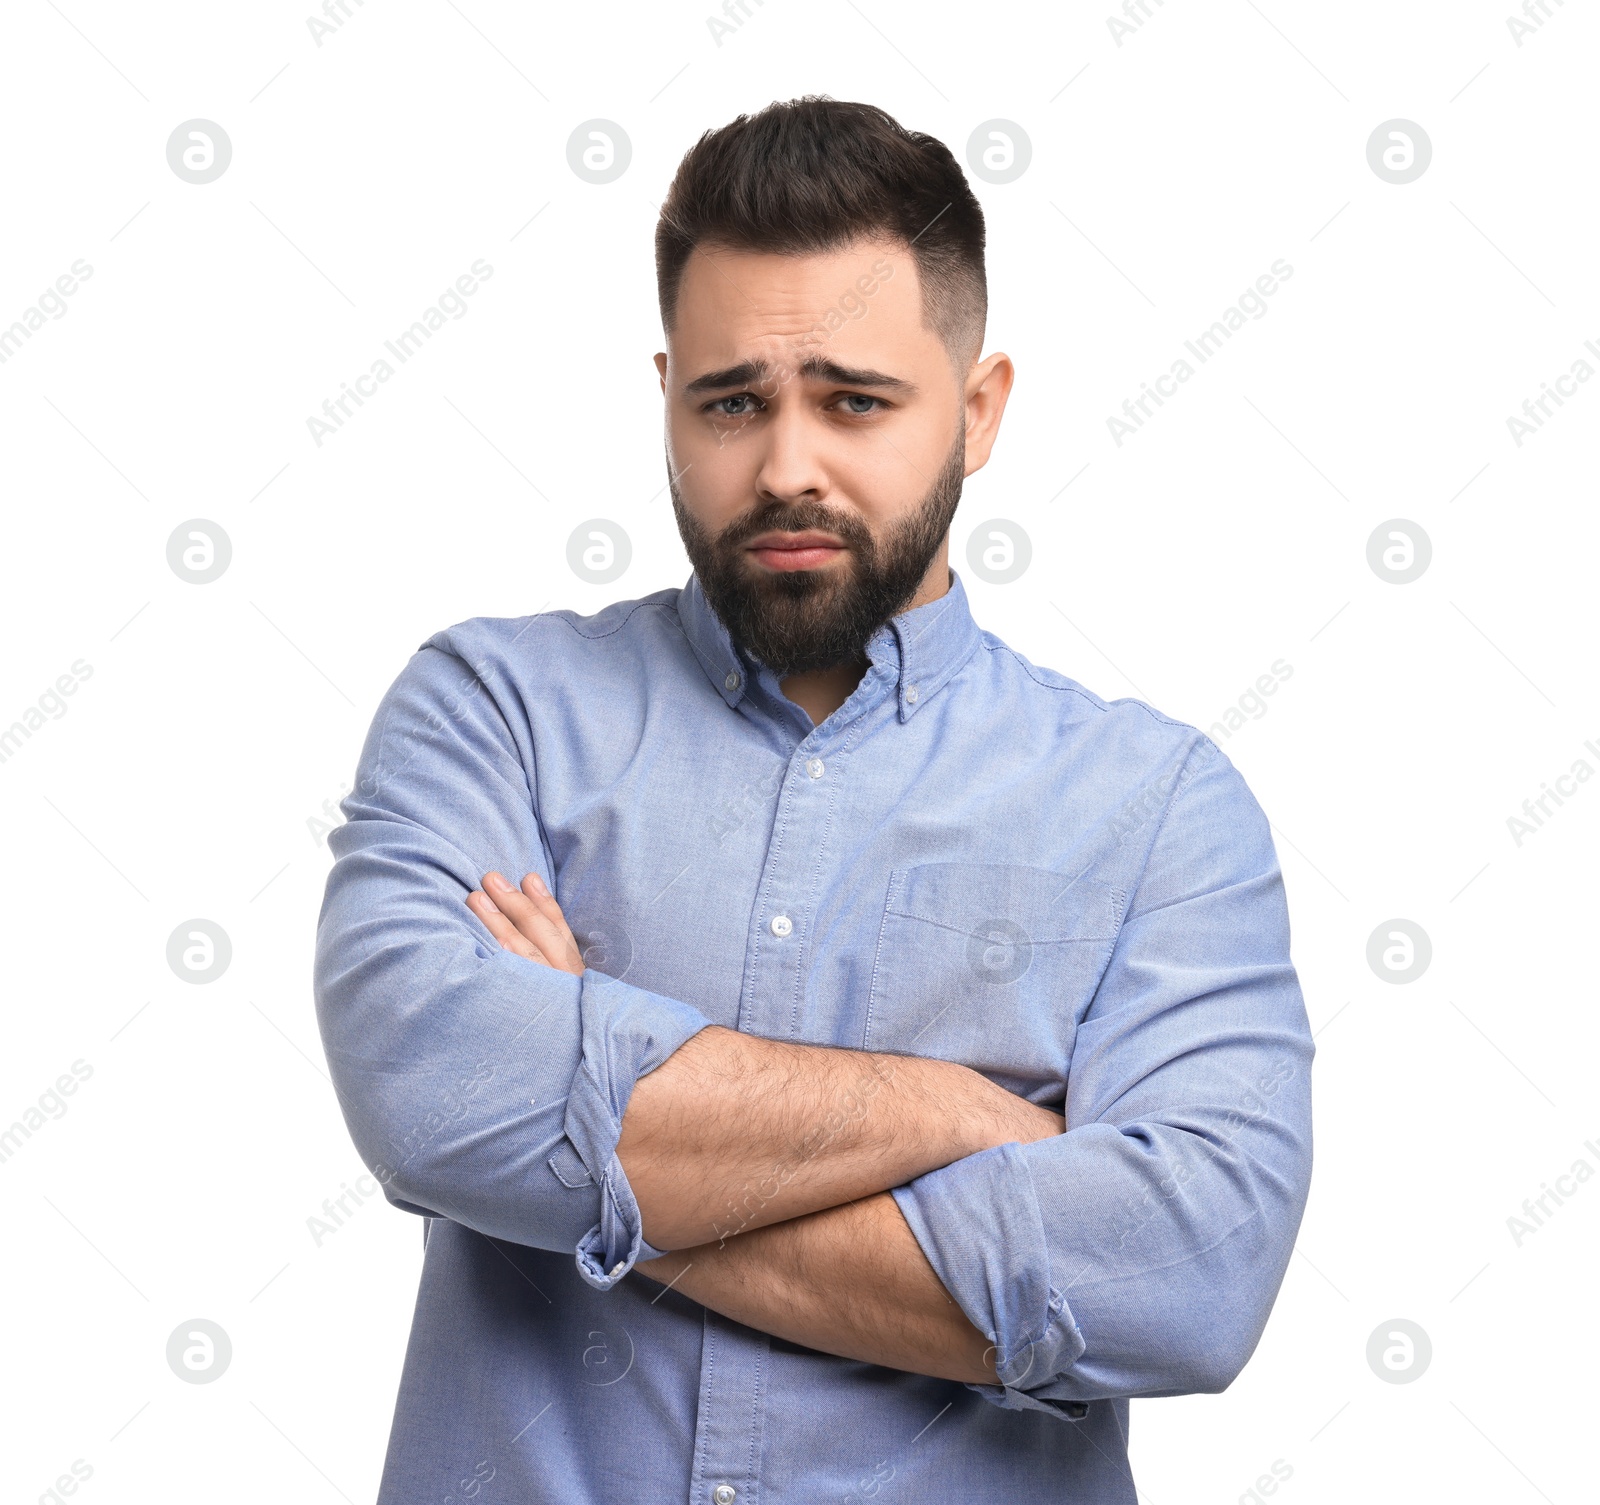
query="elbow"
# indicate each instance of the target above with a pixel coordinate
(1215, 1345)
(1216, 1364)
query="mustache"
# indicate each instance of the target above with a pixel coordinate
(796, 517)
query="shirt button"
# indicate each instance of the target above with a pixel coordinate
(781, 926)
(814, 767)
(911, 694)
(724, 1494)
(616, 1269)
(732, 681)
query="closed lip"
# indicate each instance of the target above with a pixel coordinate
(808, 540)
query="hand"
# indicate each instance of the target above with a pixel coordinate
(527, 920)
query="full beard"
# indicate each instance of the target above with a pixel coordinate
(797, 620)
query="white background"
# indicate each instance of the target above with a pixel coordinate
(185, 775)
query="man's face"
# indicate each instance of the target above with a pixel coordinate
(817, 440)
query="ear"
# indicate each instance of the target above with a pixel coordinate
(988, 386)
(661, 367)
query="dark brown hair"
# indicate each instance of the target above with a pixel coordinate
(812, 175)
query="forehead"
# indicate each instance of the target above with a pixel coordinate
(735, 303)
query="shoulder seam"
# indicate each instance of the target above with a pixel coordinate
(1088, 695)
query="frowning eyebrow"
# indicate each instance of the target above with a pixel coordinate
(756, 374)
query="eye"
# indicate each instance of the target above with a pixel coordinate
(851, 398)
(716, 408)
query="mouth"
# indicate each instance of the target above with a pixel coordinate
(795, 551)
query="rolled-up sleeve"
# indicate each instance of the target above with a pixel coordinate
(1140, 1252)
(477, 1085)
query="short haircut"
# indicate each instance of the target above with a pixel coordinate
(812, 175)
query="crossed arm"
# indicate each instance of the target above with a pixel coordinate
(765, 1167)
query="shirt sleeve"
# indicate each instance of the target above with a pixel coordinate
(1140, 1252)
(477, 1085)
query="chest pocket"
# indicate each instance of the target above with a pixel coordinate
(992, 966)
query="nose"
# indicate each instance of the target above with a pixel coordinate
(792, 466)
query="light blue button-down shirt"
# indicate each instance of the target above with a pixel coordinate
(973, 858)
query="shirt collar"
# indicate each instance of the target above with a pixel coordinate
(920, 650)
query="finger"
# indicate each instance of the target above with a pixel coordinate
(544, 900)
(510, 938)
(533, 923)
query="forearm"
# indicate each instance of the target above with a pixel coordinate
(849, 1280)
(734, 1132)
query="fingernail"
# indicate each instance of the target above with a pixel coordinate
(497, 883)
(538, 883)
(488, 903)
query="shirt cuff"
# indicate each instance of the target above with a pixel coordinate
(627, 1032)
(978, 1221)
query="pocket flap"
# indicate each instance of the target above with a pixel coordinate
(974, 897)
